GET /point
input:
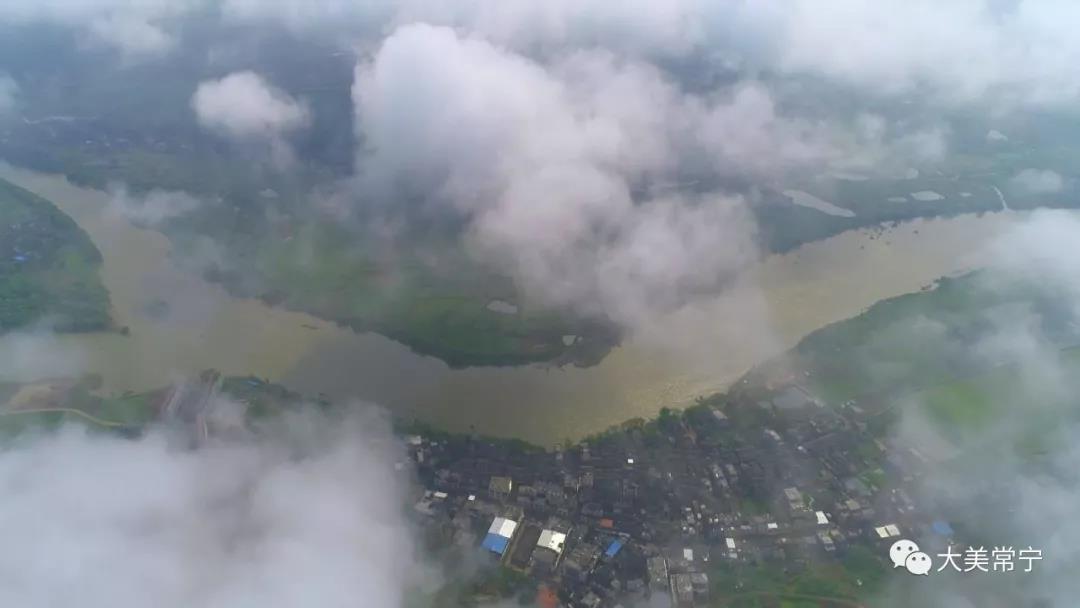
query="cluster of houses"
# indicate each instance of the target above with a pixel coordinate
(655, 509)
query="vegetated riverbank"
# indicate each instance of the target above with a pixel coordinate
(440, 309)
(423, 291)
(962, 305)
(781, 300)
(870, 358)
(923, 350)
(49, 267)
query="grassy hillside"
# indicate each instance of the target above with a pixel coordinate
(988, 363)
(924, 339)
(48, 267)
(1040, 409)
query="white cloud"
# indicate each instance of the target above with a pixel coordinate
(1037, 181)
(1045, 245)
(36, 355)
(632, 26)
(561, 167)
(874, 146)
(132, 36)
(955, 51)
(151, 208)
(542, 160)
(242, 105)
(744, 134)
(1012, 479)
(137, 28)
(310, 517)
(636, 26)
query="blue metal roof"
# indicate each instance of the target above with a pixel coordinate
(941, 528)
(613, 548)
(495, 543)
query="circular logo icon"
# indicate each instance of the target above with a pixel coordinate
(918, 563)
(900, 551)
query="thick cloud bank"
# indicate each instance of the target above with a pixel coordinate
(958, 51)
(1008, 475)
(310, 517)
(544, 162)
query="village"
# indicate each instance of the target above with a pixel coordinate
(764, 477)
(653, 508)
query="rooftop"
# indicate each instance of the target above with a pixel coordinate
(501, 485)
(495, 543)
(553, 540)
(503, 527)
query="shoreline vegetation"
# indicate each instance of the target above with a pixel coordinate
(823, 366)
(838, 584)
(66, 262)
(425, 292)
(960, 400)
(456, 329)
(49, 268)
(443, 309)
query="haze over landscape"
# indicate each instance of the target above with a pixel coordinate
(695, 303)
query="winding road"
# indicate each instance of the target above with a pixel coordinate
(64, 410)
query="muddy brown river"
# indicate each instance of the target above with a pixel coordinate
(694, 352)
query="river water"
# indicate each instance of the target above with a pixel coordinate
(694, 352)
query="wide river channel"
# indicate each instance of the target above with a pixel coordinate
(696, 352)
